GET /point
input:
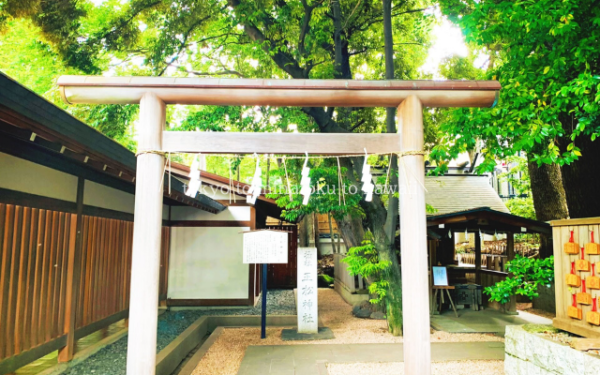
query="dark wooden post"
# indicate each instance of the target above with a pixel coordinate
(446, 250)
(66, 353)
(477, 258)
(510, 246)
(510, 254)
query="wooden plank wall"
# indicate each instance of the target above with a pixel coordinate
(33, 271)
(35, 245)
(105, 265)
(324, 224)
(561, 232)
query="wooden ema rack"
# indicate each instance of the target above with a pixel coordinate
(576, 262)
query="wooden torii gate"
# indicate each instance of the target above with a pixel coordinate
(154, 93)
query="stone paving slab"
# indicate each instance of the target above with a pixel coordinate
(486, 321)
(292, 334)
(310, 359)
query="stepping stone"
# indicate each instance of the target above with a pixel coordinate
(378, 315)
(293, 335)
(362, 313)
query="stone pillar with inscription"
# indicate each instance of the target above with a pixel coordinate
(308, 309)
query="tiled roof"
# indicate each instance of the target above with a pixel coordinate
(458, 193)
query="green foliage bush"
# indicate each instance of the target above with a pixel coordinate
(364, 261)
(528, 274)
(326, 278)
(522, 207)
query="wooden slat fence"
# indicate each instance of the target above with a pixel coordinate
(35, 248)
(35, 245)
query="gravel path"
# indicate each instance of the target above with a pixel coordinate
(110, 360)
(225, 355)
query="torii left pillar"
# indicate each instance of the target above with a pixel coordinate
(143, 303)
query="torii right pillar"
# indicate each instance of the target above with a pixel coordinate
(413, 234)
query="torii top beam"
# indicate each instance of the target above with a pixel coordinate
(277, 93)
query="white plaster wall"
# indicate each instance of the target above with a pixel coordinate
(326, 248)
(28, 177)
(106, 197)
(232, 213)
(206, 263)
(219, 193)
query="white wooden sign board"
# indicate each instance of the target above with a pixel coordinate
(308, 308)
(265, 247)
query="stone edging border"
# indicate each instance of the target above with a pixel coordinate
(171, 356)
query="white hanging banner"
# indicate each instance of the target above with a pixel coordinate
(265, 247)
(308, 309)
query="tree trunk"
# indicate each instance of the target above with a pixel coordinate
(333, 247)
(390, 221)
(390, 120)
(547, 190)
(303, 232)
(315, 233)
(549, 198)
(581, 179)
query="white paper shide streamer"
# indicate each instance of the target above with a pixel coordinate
(368, 185)
(195, 183)
(256, 186)
(305, 182)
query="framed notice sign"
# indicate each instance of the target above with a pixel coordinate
(265, 247)
(440, 276)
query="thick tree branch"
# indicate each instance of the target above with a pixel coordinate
(183, 43)
(357, 125)
(363, 26)
(308, 9)
(366, 49)
(202, 74)
(359, 3)
(128, 20)
(281, 57)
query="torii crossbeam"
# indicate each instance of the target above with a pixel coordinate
(154, 93)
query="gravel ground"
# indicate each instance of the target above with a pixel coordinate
(110, 360)
(397, 368)
(527, 307)
(225, 355)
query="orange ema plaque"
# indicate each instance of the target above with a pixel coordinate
(593, 317)
(582, 264)
(573, 279)
(574, 311)
(592, 248)
(583, 297)
(593, 282)
(572, 247)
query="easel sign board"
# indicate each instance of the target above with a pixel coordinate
(440, 276)
(265, 247)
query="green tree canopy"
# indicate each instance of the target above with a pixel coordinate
(545, 55)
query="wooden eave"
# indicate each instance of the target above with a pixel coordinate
(28, 117)
(485, 220)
